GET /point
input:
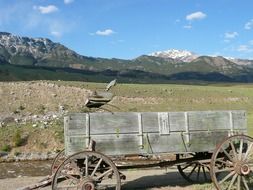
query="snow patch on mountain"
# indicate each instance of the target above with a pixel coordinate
(179, 55)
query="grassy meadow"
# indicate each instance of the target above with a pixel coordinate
(176, 97)
(127, 98)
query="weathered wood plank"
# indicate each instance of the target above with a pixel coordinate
(150, 122)
(208, 140)
(155, 143)
(177, 121)
(120, 144)
(239, 120)
(110, 123)
(75, 144)
(216, 120)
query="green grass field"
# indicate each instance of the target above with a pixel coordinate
(175, 97)
(130, 98)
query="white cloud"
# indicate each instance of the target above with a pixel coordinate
(251, 42)
(106, 32)
(196, 16)
(58, 28)
(249, 25)
(188, 26)
(46, 9)
(56, 34)
(230, 35)
(68, 1)
(244, 48)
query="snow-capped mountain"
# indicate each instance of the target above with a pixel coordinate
(40, 53)
(179, 55)
(35, 47)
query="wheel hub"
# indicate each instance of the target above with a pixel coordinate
(87, 185)
(242, 168)
(245, 169)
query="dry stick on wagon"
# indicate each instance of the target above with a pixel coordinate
(100, 98)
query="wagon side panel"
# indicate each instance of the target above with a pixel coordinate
(75, 133)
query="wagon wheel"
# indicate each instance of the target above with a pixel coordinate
(60, 157)
(233, 162)
(87, 170)
(195, 171)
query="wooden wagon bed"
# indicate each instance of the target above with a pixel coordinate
(124, 133)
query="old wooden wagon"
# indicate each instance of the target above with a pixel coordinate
(207, 144)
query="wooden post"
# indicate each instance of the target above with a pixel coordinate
(141, 144)
(231, 123)
(87, 125)
(187, 133)
(163, 122)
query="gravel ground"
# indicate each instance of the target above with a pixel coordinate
(151, 179)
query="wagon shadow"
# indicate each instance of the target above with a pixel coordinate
(171, 179)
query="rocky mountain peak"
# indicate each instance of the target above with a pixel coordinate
(179, 55)
(35, 47)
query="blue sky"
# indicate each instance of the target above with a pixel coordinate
(130, 28)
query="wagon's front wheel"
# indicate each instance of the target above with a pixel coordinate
(60, 157)
(87, 170)
(232, 164)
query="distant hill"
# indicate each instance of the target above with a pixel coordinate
(23, 58)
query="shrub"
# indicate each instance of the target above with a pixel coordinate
(17, 139)
(6, 148)
(16, 111)
(43, 145)
(21, 107)
(41, 109)
(17, 153)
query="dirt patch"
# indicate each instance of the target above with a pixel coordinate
(39, 97)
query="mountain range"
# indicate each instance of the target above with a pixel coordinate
(24, 58)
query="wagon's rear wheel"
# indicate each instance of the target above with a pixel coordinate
(196, 169)
(60, 157)
(87, 170)
(232, 164)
